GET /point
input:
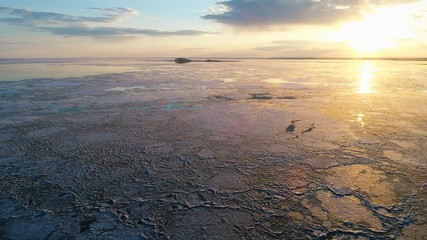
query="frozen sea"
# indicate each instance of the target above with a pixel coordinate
(254, 149)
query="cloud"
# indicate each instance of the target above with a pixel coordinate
(29, 18)
(116, 10)
(259, 13)
(304, 48)
(11, 43)
(101, 32)
(285, 45)
(117, 13)
(84, 26)
(417, 16)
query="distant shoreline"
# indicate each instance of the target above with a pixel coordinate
(363, 58)
(200, 59)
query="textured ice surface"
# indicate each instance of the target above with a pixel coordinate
(205, 151)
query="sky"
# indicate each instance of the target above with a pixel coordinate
(212, 28)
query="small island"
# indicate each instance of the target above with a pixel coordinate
(182, 60)
(187, 60)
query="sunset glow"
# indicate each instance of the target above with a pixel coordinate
(379, 30)
(369, 36)
(211, 28)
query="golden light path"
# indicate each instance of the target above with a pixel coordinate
(365, 78)
(364, 87)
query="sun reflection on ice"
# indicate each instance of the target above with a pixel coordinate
(360, 119)
(365, 78)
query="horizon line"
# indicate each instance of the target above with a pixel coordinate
(243, 58)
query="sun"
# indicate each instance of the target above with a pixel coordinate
(377, 31)
(368, 36)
